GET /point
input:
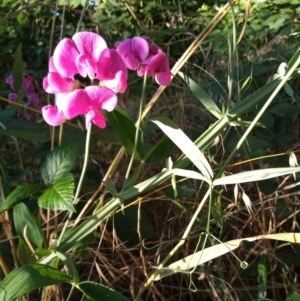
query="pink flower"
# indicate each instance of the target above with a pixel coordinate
(90, 102)
(85, 76)
(27, 87)
(144, 57)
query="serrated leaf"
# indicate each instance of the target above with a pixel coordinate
(60, 195)
(187, 146)
(95, 291)
(27, 226)
(59, 163)
(124, 129)
(20, 193)
(207, 254)
(25, 279)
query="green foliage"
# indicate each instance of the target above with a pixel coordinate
(27, 278)
(21, 193)
(60, 195)
(59, 163)
(27, 226)
(124, 129)
(94, 291)
(221, 139)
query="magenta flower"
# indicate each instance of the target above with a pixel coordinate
(27, 86)
(85, 76)
(144, 57)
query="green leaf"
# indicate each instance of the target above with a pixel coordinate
(256, 175)
(26, 130)
(202, 96)
(262, 277)
(59, 163)
(207, 254)
(25, 279)
(186, 145)
(293, 296)
(24, 254)
(60, 195)
(20, 193)
(95, 291)
(27, 226)
(161, 150)
(124, 129)
(17, 69)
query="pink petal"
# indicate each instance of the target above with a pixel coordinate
(64, 57)
(112, 70)
(118, 84)
(53, 116)
(10, 81)
(89, 43)
(12, 96)
(74, 103)
(51, 65)
(101, 98)
(163, 78)
(86, 66)
(27, 83)
(55, 83)
(125, 51)
(140, 48)
(97, 118)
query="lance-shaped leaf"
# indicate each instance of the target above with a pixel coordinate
(186, 145)
(95, 291)
(25, 279)
(202, 96)
(20, 193)
(27, 225)
(124, 129)
(207, 254)
(256, 175)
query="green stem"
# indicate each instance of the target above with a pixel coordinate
(283, 81)
(138, 126)
(83, 171)
(175, 249)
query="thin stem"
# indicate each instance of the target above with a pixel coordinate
(175, 249)
(138, 126)
(81, 15)
(80, 182)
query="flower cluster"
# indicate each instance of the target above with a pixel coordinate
(85, 75)
(27, 86)
(144, 57)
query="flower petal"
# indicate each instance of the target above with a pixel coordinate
(55, 83)
(163, 78)
(64, 57)
(89, 43)
(112, 70)
(97, 118)
(10, 81)
(125, 50)
(140, 48)
(101, 98)
(53, 116)
(86, 66)
(74, 103)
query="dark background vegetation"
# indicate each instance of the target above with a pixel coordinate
(270, 34)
